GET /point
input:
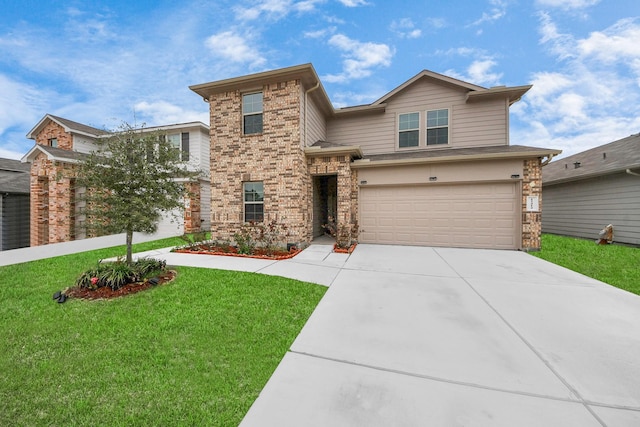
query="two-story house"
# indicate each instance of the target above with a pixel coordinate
(429, 163)
(56, 208)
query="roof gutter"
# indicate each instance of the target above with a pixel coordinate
(630, 172)
(548, 159)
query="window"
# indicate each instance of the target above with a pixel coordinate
(408, 130)
(53, 142)
(253, 196)
(438, 127)
(181, 142)
(252, 113)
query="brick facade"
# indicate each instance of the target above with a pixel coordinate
(531, 221)
(54, 130)
(275, 157)
(192, 207)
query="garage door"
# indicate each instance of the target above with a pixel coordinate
(460, 215)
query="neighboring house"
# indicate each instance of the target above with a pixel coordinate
(14, 204)
(429, 163)
(590, 190)
(56, 213)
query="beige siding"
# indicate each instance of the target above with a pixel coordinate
(316, 125)
(471, 124)
(583, 208)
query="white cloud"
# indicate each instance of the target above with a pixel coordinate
(359, 58)
(498, 10)
(235, 48)
(163, 112)
(478, 73)
(273, 9)
(320, 33)
(568, 4)
(353, 3)
(405, 28)
(592, 98)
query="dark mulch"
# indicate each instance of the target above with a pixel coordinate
(106, 292)
(233, 251)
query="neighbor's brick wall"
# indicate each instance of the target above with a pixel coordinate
(531, 221)
(274, 157)
(54, 130)
(192, 209)
(52, 201)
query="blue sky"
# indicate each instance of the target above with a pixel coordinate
(105, 62)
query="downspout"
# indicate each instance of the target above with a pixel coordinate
(630, 172)
(547, 160)
(304, 126)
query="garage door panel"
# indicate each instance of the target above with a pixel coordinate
(462, 215)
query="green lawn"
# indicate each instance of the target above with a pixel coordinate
(613, 264)
(193, 352)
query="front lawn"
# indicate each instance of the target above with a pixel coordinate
(196, 351)
(613, 264)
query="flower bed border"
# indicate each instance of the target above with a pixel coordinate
(348, 250)
(289, 255)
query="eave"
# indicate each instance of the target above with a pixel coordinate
(353, 151)
(455, 157)
(513, 94)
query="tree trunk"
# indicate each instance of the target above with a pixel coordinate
(129, 247)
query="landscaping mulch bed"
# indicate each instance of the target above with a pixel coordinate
(233, 251)
(106, 292)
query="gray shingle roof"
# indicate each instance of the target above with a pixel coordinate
(497, 150)
(606, 159)
(79, 126)
(14, 176)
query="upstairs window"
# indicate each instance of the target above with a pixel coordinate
(252, 113)
(408, 130)
(53, 142)
(181, 142)
(253, 197)
(438, 127)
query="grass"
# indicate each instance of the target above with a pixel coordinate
(613, 264)
(193, 352)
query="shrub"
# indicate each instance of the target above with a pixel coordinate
(117, 274)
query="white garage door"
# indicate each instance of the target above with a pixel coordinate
(460, 215)
(171, 223)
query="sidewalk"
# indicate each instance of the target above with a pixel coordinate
(17, 256)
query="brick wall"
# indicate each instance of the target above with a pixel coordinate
(274, 157)
(52, 201)
(192, 209)
(347, 213)
(531, 221)
(54, 130)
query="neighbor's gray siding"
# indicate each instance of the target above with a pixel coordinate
(471, 124)
(583, 208)
(14, 221)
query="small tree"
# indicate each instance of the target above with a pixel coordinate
(130, 179)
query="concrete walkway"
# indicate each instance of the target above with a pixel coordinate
(413, 336)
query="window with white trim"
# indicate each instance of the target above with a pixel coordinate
(253, 200)
(408, 130)
(438, 127)
(252, 113)
(180, 141)
(53, 142)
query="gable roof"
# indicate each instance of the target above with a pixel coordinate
(475, 92)
(68, 125)
(304, 72)
(614, 157)
(14, 177)
(54, 154)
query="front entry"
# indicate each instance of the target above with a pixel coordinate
(325, 202)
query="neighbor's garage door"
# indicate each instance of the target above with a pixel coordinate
(457, 215)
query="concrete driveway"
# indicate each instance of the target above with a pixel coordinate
(417, 336)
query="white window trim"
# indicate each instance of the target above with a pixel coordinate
(419, 129)
(252, 113)
(438, 127)
(245, 203)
